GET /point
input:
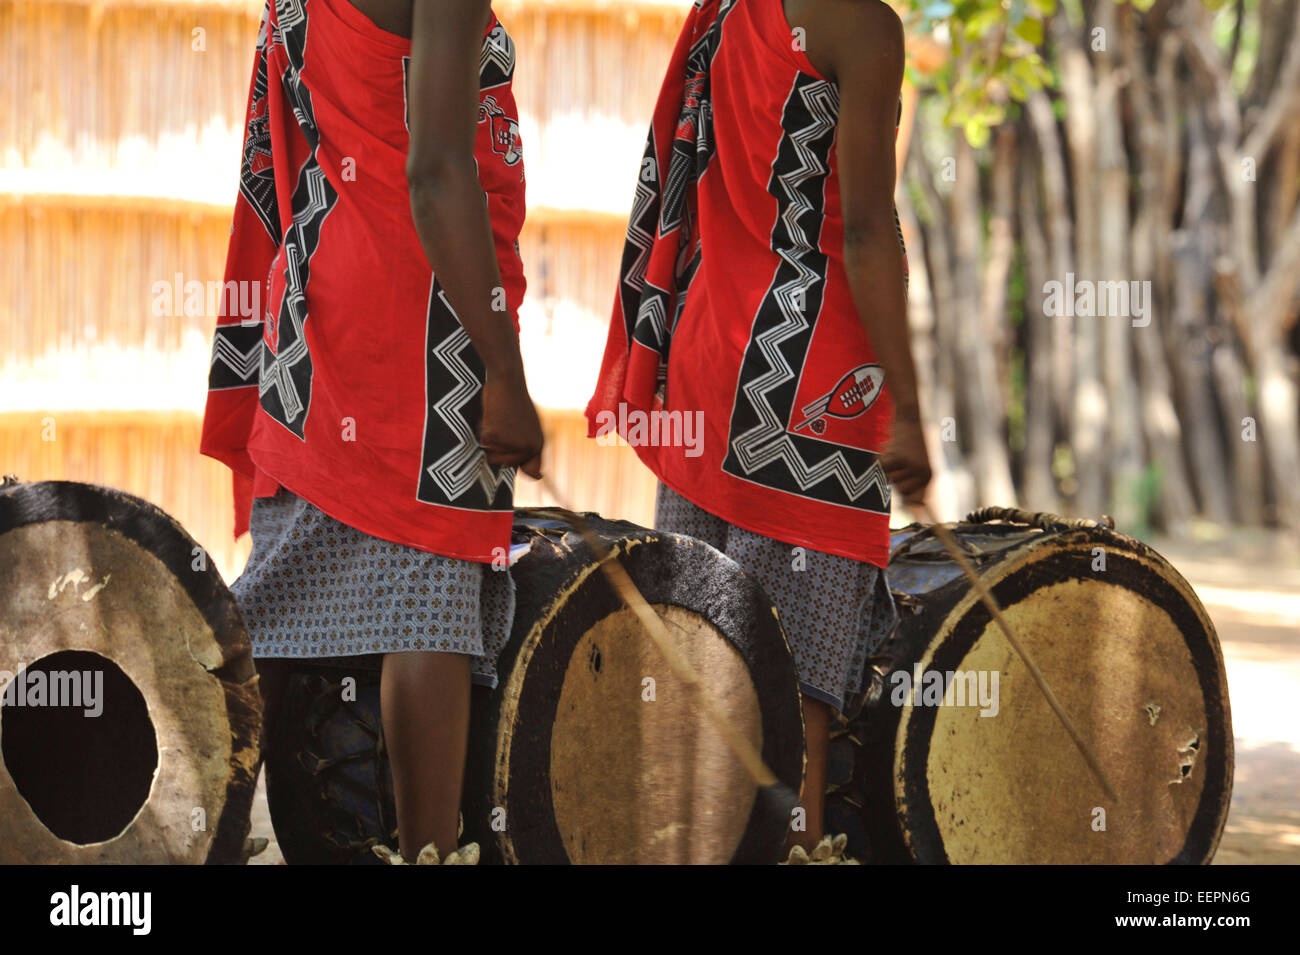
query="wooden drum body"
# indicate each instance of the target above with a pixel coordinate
(134, 737)
(589, 750)
(1128, 649)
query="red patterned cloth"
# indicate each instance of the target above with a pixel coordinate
(355, 385)
(733, 307)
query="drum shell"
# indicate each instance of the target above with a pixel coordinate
(203, 654)
(935, 601)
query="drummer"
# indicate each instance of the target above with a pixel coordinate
(764, 248)
(378, 413)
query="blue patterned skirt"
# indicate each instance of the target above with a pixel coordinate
(314, 587)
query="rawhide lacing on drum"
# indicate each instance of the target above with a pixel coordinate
(1043, 520)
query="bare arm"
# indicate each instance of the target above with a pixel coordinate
(859, 45)
(451, 213)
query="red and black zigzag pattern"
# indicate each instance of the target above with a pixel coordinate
(661, 202)
(760, 448)
(285, 385)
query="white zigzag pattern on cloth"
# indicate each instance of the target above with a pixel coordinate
(242, 364)
(767, 441)
(276, 374)
(499, 50)
(289, 13)
(465, 464)
(638, 236)
(652, 311)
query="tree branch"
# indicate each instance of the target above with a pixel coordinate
(1283, 107)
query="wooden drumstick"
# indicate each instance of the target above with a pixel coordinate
(954, 551)
(617, 575)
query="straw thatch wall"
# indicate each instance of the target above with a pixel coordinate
(119, 146)
(76, 307)
(112, 97)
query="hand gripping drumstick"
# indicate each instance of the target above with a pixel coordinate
(950, 545)
(779, 794)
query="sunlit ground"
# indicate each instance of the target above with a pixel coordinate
(1252, 591)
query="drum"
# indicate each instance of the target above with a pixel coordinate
(130, 717)
(957, 756)
(589, 750)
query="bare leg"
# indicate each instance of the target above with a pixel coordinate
(817, 730)
(425, 702)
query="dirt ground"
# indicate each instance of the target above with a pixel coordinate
(1251, 588)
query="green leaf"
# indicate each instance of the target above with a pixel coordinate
(1029, 30)
(977, 133)
(1026, 73)
(981, 22)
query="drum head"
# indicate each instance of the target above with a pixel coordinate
(129, 725)
(1135, 662)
